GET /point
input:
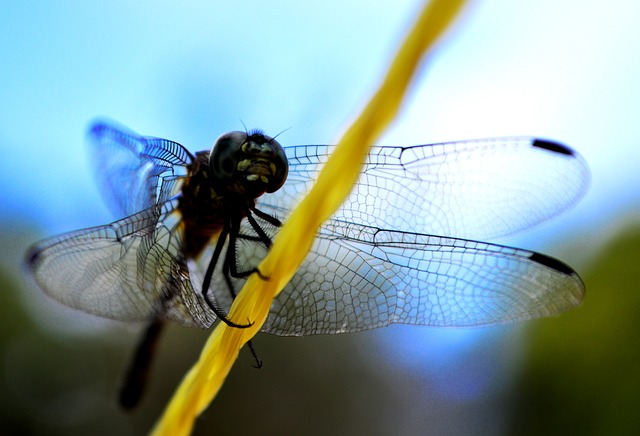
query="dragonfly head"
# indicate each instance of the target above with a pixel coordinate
(248, 163)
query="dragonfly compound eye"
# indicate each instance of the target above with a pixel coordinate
(249, 164)
(223, 159)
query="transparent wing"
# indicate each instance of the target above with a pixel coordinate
(130, 270)
(371, 278)
(360, 277)
(131, 168)
(469, 189)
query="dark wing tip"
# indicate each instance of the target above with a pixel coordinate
(32, 257)
(102, 126)
(30, 264)
(553, 146)
(553, 263)
(97, 129)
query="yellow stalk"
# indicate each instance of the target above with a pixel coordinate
(294, 240)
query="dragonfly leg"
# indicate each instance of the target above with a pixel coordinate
(258, 364)
(261, 237)
(209, 274)
(230, 267)
(229, 264)
(268, 218)
(227, 267)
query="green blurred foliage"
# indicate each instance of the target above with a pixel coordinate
(582, 372)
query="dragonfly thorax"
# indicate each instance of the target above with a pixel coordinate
(248, 165)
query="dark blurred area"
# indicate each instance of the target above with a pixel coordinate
(582, 370)
(578, 374)
(57, 383)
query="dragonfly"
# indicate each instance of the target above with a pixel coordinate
(403, 248)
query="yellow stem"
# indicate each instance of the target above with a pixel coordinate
(294, 240)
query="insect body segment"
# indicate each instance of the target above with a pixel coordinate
(201, 206)
(219, 193)
(248, 165)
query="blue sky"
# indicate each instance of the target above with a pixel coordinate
(560, 70)
(190, 71)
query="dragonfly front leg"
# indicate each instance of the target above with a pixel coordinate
(260, 236)
(268, 218)
(209, 274)
(229, 269)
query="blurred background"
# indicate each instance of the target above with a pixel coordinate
(560, 70)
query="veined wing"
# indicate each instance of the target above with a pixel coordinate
(136, 172)
(469, 189)
(360, 277)
(130, 270)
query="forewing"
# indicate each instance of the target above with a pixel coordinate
(130, 270)
(136, 172)
(469, 189)
(358, 278)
